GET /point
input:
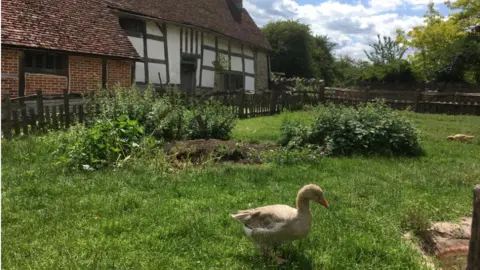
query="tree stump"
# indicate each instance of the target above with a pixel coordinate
(474, 247)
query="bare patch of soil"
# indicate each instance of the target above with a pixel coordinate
(201, 151)
(448, 242)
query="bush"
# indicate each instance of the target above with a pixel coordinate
(106, 142)
(370, 129)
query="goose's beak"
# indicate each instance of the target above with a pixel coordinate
(324, 203)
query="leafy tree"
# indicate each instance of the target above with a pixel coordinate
(385, 52)
(323, 59)
(291, 43)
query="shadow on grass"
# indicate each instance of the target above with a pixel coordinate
(296, 260)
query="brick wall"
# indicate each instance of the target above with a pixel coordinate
(10, 61)
(261, 72)
(50, 84)
(85, 73)
(119, 73)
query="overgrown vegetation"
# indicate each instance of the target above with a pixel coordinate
(127, 118)
(370, 129)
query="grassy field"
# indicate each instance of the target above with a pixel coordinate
(140, 217)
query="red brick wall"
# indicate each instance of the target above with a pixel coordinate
(119, 72)
(85, 73)
(50, 84)
(10, 61)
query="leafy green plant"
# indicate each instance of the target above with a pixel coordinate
(107, 142)
(371, 129)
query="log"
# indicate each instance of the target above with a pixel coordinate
(474, 247)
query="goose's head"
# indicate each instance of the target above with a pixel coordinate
(313, 193)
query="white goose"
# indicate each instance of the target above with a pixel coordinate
(272, 225)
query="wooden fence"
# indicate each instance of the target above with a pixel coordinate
(474, 247)
(38, 112)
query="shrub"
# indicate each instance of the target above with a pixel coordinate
(105, 143)
(371, 129)
(218, 121)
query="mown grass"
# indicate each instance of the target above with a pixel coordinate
(141, 218)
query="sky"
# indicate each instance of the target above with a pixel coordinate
(351, 24)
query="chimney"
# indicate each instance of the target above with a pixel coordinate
(236, 8)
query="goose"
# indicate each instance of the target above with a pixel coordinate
(272, 225)
(460, 137)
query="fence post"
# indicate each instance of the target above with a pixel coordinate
(367, 94)
(321, 93)
(41, 121)
(8, 117)
(418, 97)
(273, 102)
(66, 105)
(241, 103)
(474, 247)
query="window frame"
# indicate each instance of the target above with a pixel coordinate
(44, 69)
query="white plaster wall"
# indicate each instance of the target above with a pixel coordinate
(154, 69)
(208, 58)
(249, 83)
(139, 72)
(208, 39)
(248, 51)
(235, 47)
(207, 78)
(155, 49)
(173, 43)
(199, 43)
(223, 44)
(153, 29)
(137, 44)
(249, 68)
(185, 36)
(236, 63)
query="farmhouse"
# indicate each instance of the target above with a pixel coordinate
(82, 45)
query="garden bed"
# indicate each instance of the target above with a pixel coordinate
(201, 151)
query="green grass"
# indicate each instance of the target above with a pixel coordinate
(141, 218)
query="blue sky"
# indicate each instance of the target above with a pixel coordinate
(352, 24)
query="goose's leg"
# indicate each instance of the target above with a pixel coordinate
(278, 260)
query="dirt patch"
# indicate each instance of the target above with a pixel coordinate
(201, 151)
(446, 241)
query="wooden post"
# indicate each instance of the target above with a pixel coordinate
(41, 122)
(66, 107)
(321, 93)
(273, 102)
(241, 103)
(367, 94)
(418, 97)
(8, 117)
(474, 247)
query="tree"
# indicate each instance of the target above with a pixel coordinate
(323, 59)
(435, 45)
(385, 52)
(291, 43)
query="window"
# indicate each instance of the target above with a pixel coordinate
(132, 25)
(42, 62)
(236, 81)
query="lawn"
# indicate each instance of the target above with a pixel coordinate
(141, 217)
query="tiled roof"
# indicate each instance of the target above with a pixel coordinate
(83, 26)
(213, 15)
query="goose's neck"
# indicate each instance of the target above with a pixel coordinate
(303, 204)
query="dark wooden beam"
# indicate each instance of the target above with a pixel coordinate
(181, 41)
(104, 73)
(226, 52)
(229, 64)
(156, 61)
(216, 48)
(186, 40)
(196, 42)
(155, 37)
(165, 46)
(243, 67)
(255, 70)
(145, 52)
(232, 71)
(21, 74)
(201, 60)
(191, 40)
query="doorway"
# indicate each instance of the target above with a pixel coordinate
(188, 69)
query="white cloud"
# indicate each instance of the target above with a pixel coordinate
(351, 26)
